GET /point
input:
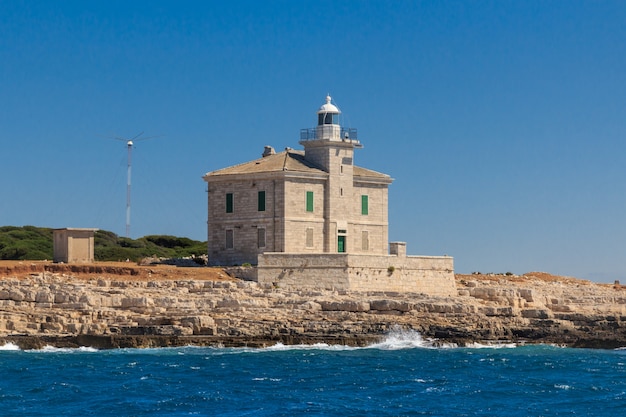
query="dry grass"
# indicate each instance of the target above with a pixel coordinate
(539, 276)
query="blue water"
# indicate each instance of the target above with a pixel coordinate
(403, 376)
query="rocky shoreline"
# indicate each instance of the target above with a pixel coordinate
(103, 310)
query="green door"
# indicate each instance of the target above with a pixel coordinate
(341, 243)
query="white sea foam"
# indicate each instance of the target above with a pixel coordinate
(397, 339)
(411, 339)
(477, 345)
(317, 346)
(52, 349)
(405, 339)
(10, 346)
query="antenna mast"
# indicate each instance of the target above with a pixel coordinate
(129, 146)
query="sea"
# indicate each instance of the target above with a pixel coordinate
(404, 375)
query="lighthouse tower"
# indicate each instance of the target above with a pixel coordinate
(331, 147)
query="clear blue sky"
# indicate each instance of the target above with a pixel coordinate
(502, 122)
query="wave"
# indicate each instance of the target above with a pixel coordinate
(9, 346)
(396, 339)
(476, 345)
(53, 349)
(47, 349)
(316, 346)
(399, 339)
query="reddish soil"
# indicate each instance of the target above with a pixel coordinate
(541, 276)
(112, 270)
(125, 270)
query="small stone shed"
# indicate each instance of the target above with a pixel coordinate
(73, 244)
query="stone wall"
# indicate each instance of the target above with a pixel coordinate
(298, 220)
(292, 271)
(245, 220)
(374, 223)
(352, 272)
(431, 275)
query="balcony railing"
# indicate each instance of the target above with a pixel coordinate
(312, 133)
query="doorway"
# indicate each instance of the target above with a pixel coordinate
(341, 244)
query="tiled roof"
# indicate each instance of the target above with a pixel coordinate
(288, 160)
(368, 173)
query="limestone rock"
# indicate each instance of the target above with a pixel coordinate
(147, 313)
(345, 306)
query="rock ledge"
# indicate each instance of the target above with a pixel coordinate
(59, 309)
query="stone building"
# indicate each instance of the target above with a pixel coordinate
(310, 210)
(311, 201)
(73, 244)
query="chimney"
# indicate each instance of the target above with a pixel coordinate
(268, 151)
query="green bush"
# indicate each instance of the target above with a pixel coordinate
(28, 242)
(35, 243)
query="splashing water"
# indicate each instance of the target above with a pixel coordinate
(9, 346)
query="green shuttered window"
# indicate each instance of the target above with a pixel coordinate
(261, 201)
(364, 205)
(229, 202)
(309, 201)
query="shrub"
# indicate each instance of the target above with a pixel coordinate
(35, 243)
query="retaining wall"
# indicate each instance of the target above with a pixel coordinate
(432, 275)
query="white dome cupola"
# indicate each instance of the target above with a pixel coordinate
(329, 129)
(328, 114)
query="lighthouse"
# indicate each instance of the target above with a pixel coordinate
(332, 146)
(311, 218)
(309, 201)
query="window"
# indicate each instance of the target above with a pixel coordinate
(229, 202)
(261, 237)
(261, 201)
(309, 237)
(364, 205)
(365, 240)
(309, 201)
(230, 243)
(327, 119)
